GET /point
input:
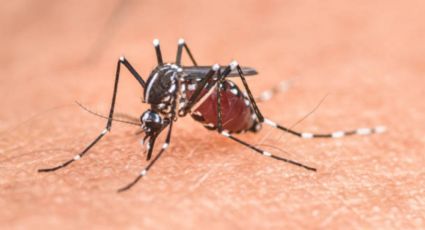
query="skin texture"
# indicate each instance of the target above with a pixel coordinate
(367, 56)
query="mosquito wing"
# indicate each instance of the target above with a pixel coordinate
(197, 72)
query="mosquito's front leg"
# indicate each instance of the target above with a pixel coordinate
(121, 61)
(146, 169)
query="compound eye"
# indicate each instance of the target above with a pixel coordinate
(150, 117)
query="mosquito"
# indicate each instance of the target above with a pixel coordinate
(208, 96)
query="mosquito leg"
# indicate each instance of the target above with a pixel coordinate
(181, 45)
(265, 153)
(130, 68)
(221, 78)
(360, 131)
(234, 65)
(158, 52)
(219, 87)
(337, 134)
(228, 135)
(121, 61)
(195, 99)
(146, 169)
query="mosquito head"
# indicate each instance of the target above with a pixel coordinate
(151, 122)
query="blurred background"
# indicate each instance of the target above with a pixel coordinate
(367, 56)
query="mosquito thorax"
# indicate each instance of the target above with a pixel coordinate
(162, 87)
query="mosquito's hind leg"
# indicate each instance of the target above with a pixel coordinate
(265, 153)
(336, 134)
(306, 135)
(220, 80)
(121, 61)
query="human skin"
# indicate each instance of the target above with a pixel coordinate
(368, 57)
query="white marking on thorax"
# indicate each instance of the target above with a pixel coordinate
(182, 104)
(166, 98)
(148, 89)
(172, 88)
(183, 88)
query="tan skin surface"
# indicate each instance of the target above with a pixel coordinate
(368, 57)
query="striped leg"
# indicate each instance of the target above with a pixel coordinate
(146, 169)
(121, 61)
(337, 134)
(226, 134)
(265, 153)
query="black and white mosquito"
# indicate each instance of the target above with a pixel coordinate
(207, 94)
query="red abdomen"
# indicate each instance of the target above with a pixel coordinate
(237, 115)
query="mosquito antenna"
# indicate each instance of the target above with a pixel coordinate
(309, 113)
(105, 117)
(127, 117)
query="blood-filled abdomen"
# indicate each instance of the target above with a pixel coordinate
(237, 114)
